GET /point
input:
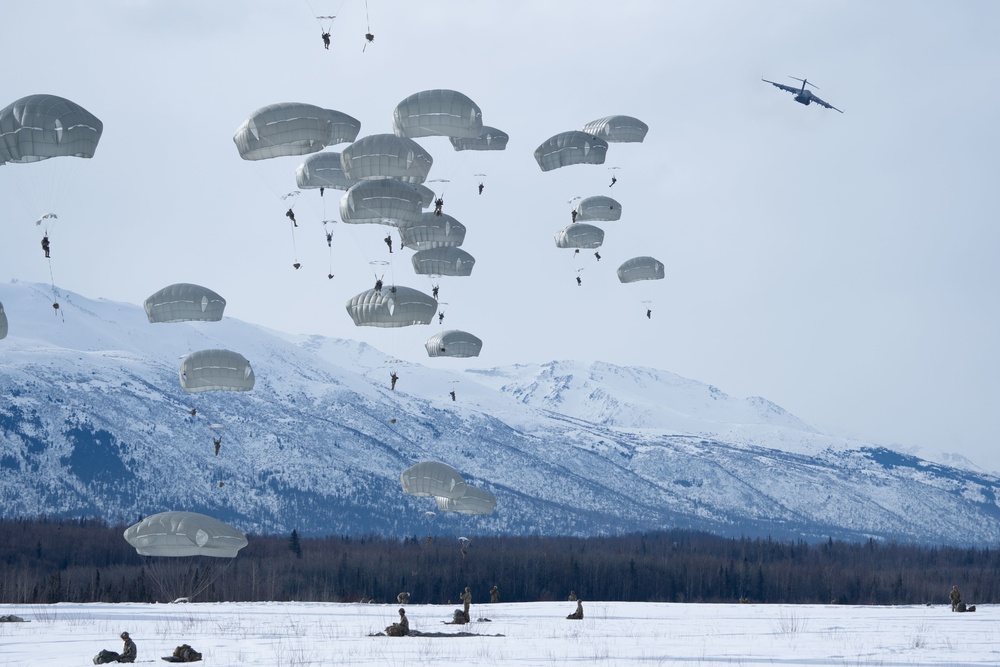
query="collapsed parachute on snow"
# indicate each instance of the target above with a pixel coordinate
(392, 306)
(216, 370)
(453, 343)
(598, 208)
(431, 478)
(39, 127)
(569, 148)
(580, 235)
(621, 129)
(438, 113)
(292, 128)
(179, 534)
(641, 268)
(184, 302)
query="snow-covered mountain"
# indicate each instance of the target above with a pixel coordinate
(96, 424)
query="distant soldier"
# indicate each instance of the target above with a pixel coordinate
(481, 186)
(649, 314)
(578, 614)
(400, 629)
(388, 241)
(326, 45)
(578, 281)
(45, 245)
(613, 181)
(452, 394)
(572, 596)
(392, 378)
(956, 598)
(574, 214)
(598, 256)
(466, 602)
(438, 205)
(434, 292)
(403, 598)
(440, 317)
(494, 594)
(218, 444)
(290, 214)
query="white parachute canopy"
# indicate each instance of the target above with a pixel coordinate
(386, 156)
(39, 127)
(490, 139)
(438, 113)
(386, 201)
(216, 370)
(453, 343)
(184, 302)
(178, 534)
(580, 235)
(431, 478)
(431, 231)
(569, 148)
(443, 261)
(292, 128)
(641, 268)
(474, 501)
(621, 129)
(322, 170)
(598, 208)
(393, 306)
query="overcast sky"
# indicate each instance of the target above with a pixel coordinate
(843, 266)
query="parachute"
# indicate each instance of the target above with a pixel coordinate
(386, 156)
(392, 307)
(453, 343)
(216, 370)
(580, 235)
(292, 128)
(430, 478)
(322, 170)
(490, 139)
(569, 148)
(185, 534)
(432, 231)
(622, 129)
(640, 268)
(598, 208)
(3, 323)
(446, 261)
(473, 501)
(380, 202)
(184, 302)
(172, 544)
(437, 113)
(39, 127)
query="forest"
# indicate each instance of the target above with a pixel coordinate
(49, 561)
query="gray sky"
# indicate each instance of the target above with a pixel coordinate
(843, 266)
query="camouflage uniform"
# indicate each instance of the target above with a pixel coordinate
(578, 614)
(956, 598)
(466, 601)
(572, 596)
(494, 594)
(403, 598)
(400, 629)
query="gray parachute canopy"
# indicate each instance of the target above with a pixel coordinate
(427, 195)
(322, 170)
(569, 148)
(216, 370)
(386, 156)
(437, 113)
(446, 261)
(184, 302)
(178, 534)
(292, 128)
(474, 501)
(394, 306)
(598, 208)
(621, 129)
(430, 478)
(580, 235)
(490, 139)
(453, 343)
(432, 231)
(38, 127)
(3, 323)
(640, 268)
(382, 202)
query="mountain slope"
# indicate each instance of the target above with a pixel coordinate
(97, 425)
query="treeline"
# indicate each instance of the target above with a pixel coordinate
(44, 561)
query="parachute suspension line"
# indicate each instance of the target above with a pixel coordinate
(55, 294)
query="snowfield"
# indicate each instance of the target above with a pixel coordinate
(525, 634)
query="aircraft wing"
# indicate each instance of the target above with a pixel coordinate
(790, 89)
(824, 104)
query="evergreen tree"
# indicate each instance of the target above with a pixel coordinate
(293, 544)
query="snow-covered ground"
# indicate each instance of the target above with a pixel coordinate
(612, 633)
